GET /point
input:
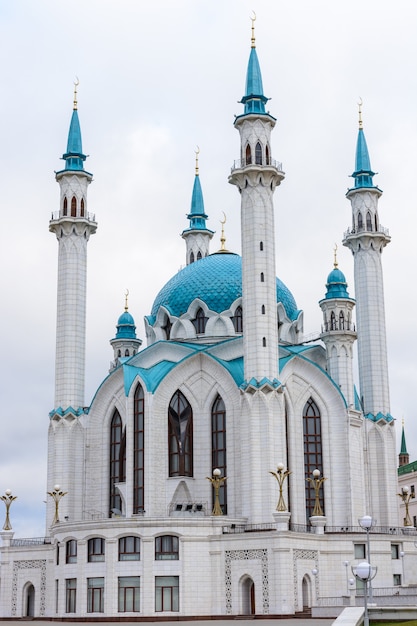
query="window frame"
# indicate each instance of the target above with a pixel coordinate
(71, 551)
(95, 594)
(129, 555)
(126, 604)
(96, 550)
(167, 595)
(167, 548)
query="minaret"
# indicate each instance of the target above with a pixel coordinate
(338, 332)
(125, 344)
(404, 457)
(367, 239)
(256, 175)
(72, 226)
(197, 236)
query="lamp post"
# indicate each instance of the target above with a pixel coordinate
(7, 499)
(56, 494)
(281, 475)
(317, 482)
(402, 555)
(367, 522)
(406, 495)
(346, 564)
(217, 480)
(365, 572)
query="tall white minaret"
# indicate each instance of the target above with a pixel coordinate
(338, 332)
(367, 239)
(256, 175)
(72, 225)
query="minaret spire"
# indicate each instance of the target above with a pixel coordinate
(404, 457)
(72, 225)
(197, 236)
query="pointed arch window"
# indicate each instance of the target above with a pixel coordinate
(332, 321)
(180, 436)
(117, 460)
(376, 222)
(199, 255)
(341, 321)
(139, 450)
(360, 221)
(261, 246)
(237, 320)
(192, 257)
(65, 207)
(368, 221)
(73, 206)
(82, 207)
(267, 157)
(258, 154)
(262, 277)
(264, 342)
(248, 155)
(313, 456)
(200, 322)
(263, 309)
(218, 446)
(167, 328)
(126, 352)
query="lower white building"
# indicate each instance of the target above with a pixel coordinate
(186, 487)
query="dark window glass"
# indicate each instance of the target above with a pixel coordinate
(70, 595)
(258, 154)
(200, 322)
(96, 547)
(117, 461)
(65, 208)
(166, 548)
(129, 548)
(237, 320)
(73, 206)
(139, 451)
(180, 436)
(248, 155)
(313, 458)
(95, 595)
(71, 551)
(218, 446)
(167, 593)
(129, 594)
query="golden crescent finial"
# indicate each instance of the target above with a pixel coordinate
(76, 83)
(224, 218)
(360, 104)
(253, 19)
(197, 152)
(126, 295)
(222, 237)
(335, 255)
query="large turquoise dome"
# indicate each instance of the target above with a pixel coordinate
(217, 281)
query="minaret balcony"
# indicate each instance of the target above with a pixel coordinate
(240, 164)
(90, 217)
(354, 231)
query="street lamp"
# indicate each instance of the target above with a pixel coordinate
(365, 572)
(406, 495)
(317, 482)
(7, 499)
(367, 522)
(217, 480)
(281, 475)
(56, 494)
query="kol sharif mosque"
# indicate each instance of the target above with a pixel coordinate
(222, 469)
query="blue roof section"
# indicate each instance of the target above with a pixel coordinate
(217, 281)
(74, 157)
(363, 173)
(126, 328)
(336, 285)
(254, 99)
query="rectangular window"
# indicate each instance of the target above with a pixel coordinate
(415, 521)
(129, 549)
(129, 594)
(166, 593)
(95, 595)
(397, 580)
(395, 551)
(96, 547)
(166, 548)
(359, 550)
(413, 493)
(56, 595)
(70, 595)
(71, 551)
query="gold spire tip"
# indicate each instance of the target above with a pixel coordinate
(76, 83)
(222, 237)
(360, 104)
(197, 152)
(253, 19)
(335, 256)
(126, 296)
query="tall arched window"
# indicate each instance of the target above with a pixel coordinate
(73, 206)
(360, 221)
(258, 154)
(368, 221)
(238, 320)
(200, 322)
(167, 328)
(218, 446)
(267, 157)
(191, 257)
(138, 450)
(262, 277)
(82, 207)
(199, 255)
(341, 321)
(313, 456)
(248, 155)
(180, 436)
(65, 207)
(332, 321)
(117, 460)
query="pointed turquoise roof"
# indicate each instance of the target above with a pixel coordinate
(403, 444)
(197, 215)
(254, 99)
(363, 173)
(74, 157)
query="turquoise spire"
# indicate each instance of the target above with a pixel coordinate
(336, 283)
(363, 173)
(74, 156)
(254, 99)
(197, 216)
(403, 444)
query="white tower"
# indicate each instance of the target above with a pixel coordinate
(197, 237)
(72, 226)
(338, 332)
(366, 240)
(256, 175)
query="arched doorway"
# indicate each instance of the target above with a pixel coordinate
(29, 601)
(248, 597)
(307, 593)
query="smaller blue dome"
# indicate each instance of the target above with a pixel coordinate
(336, 285)
(126, 328)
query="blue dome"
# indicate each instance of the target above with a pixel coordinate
(126, 328)
(336, 285)
(217, 281)
(125, 318)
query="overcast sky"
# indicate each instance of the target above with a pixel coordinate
(156, 80)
